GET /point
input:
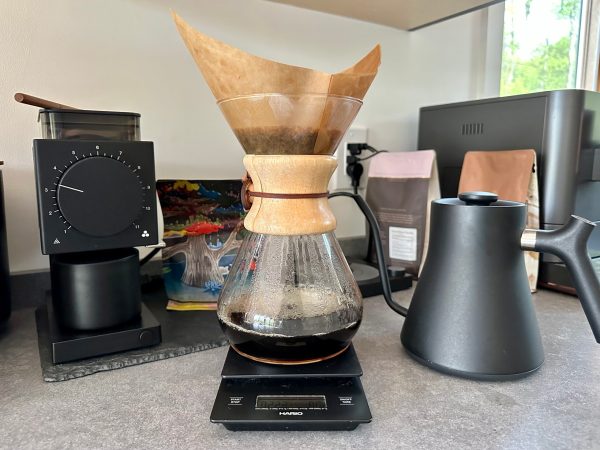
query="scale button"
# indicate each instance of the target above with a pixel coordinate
(346, 401)
(235, 401)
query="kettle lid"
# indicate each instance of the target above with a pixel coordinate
(478, 198)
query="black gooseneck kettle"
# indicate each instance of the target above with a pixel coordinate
(472, 314)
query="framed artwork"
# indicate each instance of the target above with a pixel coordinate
(203, 231)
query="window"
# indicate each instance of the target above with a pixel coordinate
(540, 46)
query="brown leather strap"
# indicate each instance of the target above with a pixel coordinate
(246, 200)
(247, 193)
(286, 196)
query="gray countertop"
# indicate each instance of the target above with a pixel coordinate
(167, 404)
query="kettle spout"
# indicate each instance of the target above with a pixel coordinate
(569, 243)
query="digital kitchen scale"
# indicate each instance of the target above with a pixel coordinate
(322, 396)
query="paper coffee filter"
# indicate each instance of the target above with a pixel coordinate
(231, 72)
(276, 108)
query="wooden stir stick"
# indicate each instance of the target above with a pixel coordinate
(39, 102)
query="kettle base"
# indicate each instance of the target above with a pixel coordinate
(472, 375)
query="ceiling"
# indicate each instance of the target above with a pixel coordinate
(401, 14)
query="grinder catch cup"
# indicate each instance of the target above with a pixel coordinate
(472, 313)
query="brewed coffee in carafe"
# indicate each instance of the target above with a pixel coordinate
(290, 297)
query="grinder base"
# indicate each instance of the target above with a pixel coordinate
(71, 345)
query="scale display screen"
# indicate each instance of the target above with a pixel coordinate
(290, 402)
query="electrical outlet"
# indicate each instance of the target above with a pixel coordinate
(340, 181)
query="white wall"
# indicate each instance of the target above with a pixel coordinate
(127, 55)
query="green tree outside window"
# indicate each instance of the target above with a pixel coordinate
(539, 51)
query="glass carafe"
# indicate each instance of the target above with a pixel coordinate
(290, 297)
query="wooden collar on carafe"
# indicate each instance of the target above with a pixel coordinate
(287, 194)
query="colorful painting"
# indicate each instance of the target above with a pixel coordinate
(203, 230)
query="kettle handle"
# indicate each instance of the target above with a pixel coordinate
(569, 243)
(374, 227)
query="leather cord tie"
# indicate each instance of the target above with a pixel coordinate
(245, 197)
(247, 194)
(287, 196)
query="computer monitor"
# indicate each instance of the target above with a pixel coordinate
(563, 127)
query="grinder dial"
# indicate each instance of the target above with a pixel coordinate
(95, 195)
(100, 196)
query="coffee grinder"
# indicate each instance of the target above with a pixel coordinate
(96, 202)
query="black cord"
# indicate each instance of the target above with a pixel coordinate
(149, 256)
(374, 226)
(375, 153)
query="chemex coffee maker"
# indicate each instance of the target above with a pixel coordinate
(290, 305)
(96, 201)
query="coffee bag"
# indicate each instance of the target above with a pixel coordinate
(400, 188)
